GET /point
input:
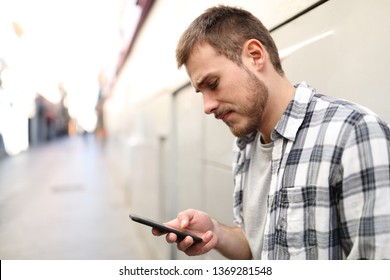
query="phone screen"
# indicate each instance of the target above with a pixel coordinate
(180, 234)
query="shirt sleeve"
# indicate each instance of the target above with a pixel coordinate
(364, 203)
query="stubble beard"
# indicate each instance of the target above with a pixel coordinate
(252, 110)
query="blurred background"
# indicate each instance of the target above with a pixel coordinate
(97, 122)
(55, 57)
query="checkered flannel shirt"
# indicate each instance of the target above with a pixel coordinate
(330, 182)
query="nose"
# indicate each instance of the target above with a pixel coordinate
(210, 104)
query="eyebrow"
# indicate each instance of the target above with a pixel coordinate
(199, 83)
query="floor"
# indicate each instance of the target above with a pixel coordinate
(62, 201)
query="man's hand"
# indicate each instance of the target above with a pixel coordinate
(198, 223)
(231, 242)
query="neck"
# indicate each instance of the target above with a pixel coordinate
(280, 91)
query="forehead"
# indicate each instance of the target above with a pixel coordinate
(204, 60)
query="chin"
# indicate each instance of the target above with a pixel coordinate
(240, 132)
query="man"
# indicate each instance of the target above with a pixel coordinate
(312, 173)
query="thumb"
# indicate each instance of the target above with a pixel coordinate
(184, 223)
(185, 217)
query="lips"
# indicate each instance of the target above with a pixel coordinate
(223, 115)
(226, 116)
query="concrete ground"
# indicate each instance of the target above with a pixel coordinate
(65, 200)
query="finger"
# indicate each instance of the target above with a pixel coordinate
(201, 248)
(173, 223)
(171, 238)
(185, 217)
(185, 243)
(157, 232)
(208, 236)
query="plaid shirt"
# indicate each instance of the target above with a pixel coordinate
(330, 184)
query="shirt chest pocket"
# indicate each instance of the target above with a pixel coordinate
(296, 236)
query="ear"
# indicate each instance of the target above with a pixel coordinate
(255, 52)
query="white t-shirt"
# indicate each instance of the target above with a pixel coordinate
(255, 195)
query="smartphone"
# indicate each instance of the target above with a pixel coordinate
(180, 234)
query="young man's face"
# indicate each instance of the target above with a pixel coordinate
(232, 93)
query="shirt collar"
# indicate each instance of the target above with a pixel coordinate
(291, 119)
(294, 114)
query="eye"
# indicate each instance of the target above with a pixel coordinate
(212, 84)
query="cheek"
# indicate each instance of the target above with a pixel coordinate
(236, 85)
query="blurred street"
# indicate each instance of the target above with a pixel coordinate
(65, 200)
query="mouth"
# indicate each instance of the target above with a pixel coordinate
(224, 116)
